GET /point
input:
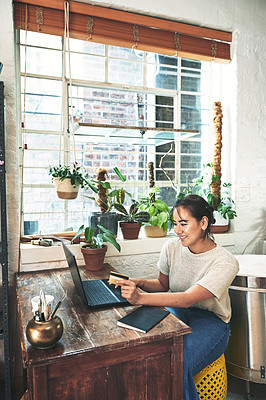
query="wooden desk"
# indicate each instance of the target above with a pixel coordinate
(96, 359)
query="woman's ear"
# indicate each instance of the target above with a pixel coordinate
(204, 223)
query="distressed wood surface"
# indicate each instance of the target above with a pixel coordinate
(95, 358)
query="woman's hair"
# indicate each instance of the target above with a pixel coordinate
(198, 208)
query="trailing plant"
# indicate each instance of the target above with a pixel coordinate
(106, 196)
(75, 174)
(96, 241)
(133, 215)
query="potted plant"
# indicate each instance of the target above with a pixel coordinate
(94, 250)
(105, 200)
(159, 214)
(220, 200)
(68, 180)
(131, 221)
(157, 209)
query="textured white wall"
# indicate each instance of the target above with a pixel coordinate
(8, 77)
(242, 94)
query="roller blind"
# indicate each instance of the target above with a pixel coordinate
(125, 29)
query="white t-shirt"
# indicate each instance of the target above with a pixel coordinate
(214, 270)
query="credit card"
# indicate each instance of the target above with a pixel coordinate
(116, 276)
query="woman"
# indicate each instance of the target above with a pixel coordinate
(194, 276)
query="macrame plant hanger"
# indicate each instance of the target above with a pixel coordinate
(65, 190)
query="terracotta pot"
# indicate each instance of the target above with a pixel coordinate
(221, 224)
(94, 258)
(154, 231)
(130, 230)
(65, 190)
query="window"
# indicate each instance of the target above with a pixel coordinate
(109, 86)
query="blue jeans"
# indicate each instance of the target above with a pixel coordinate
(206, 343)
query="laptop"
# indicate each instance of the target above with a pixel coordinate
(95, 293)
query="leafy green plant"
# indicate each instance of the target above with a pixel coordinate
(96, 242)
(106, 196)
(223, 203)
(77, 178)
(157, 209)
(133, 215)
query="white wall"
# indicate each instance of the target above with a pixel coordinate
(8, 77)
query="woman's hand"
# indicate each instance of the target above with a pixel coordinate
(129, 291)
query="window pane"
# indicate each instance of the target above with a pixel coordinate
(41, 199)
(39, 104)
(191, 162)
(42, 86)
(34, 158)
(190, 81)
(128, 54)
(87, 67)
(190, 111)
(46, 122)
(86, 47)
(190, 147)
(125, 72)
(190, 63)
(35, 176)
(42, 61)
(42, 141)
(161, 71)
(187, 176)
(40, 39)
(43, 103)
(161, 59)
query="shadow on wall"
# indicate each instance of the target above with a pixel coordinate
(258, 244)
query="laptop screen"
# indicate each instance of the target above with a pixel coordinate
(72, 263)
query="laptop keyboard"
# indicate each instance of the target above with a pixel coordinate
(97, 293)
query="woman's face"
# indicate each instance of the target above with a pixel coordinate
(190, 231)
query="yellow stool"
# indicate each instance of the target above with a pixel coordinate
(211, 382)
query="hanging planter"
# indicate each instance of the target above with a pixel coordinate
(65, 190)
(68, 181)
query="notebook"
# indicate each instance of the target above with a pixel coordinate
(143, 318)
(94, 293)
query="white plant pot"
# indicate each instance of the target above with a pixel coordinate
(65, 190)
(221, 224)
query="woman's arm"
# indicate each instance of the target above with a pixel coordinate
(185, 299)
(153, 285)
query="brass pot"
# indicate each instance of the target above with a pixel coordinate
(44, 335)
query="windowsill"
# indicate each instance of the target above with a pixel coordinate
(37, 254)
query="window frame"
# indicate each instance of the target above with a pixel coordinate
(66, 82)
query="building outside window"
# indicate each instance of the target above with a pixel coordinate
(108, 88)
